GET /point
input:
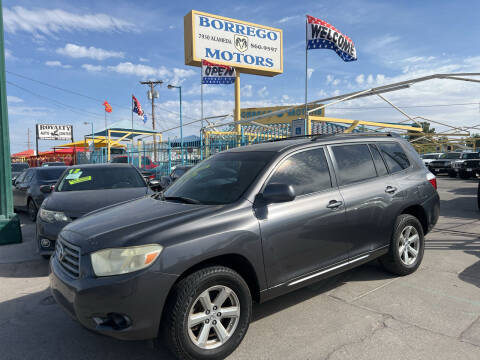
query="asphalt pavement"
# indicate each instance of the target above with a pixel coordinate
(364, 313)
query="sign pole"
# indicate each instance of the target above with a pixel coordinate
(9, 223)
(201, 114)
(36, 139)
(237, 101)
(308, 130)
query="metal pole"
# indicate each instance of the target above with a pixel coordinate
(181, 124)
(132, 120)
(9, 223)
(306, 78)
(237, 101)
(153, 124)
(201, 113)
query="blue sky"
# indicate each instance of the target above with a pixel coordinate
(102, 49)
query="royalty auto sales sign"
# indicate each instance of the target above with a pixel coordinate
(251, 48)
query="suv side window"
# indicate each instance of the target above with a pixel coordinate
(354, 163)
(394, 156)
(28, 177)
(306, 171)
(377, 159)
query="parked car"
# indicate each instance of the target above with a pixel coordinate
(26, 188)
(177, 172)
(467, 165)
(250, 223)
(429, 157)
(444, 163)
(18, 168)
(82, 189)
(146, 162)
(54, 163)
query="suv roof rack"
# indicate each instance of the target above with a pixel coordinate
(321, 136)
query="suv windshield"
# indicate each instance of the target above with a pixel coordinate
(221, 179)
(469, 156)
(19, 167)
(97, 178)
(50, 174)
(450, 156)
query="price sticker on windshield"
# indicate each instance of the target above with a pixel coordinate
(80, 180)
(73, 174)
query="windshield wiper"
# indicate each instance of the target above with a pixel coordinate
(186, 200)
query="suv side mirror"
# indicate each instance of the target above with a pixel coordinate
(278, 193)
(46, 189)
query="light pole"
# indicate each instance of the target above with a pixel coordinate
(181, 123)
(93, 136)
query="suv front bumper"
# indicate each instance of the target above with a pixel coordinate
(139, 297)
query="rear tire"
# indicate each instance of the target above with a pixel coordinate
(464, 175)
(32, 210)
(452, 174)
(181, 331)
(406, 247)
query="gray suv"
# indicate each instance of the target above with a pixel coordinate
(248, 224)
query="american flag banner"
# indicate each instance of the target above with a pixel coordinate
(322, 35)
(136, 108)
(217, 74)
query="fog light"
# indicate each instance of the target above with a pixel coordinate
(45, 243)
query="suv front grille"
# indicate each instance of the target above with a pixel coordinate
(68, 256)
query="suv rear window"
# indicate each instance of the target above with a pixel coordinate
(306, 171)
(354, 163)
(394, 156)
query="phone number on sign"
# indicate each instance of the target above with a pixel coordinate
(263, 47)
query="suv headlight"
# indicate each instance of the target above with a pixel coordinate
(124, 260)
(53, 216)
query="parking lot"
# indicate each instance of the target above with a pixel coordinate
(364, 313)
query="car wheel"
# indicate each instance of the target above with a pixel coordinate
(452, 174)
(207, 314)
(406, 247)
(32, 210)
(464, 175)
(46, 257)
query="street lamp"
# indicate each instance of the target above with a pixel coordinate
(181, 123)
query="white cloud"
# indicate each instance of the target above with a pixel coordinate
(287, 19)
(13, 99)
(310, 72)
(56, 63)
(263, 92)
(77, 51)
(52, 21)
(8, 55)
(141, 59)
(92, 68)
(360, 79)
(179, 75)
(285, 97)
(329, 78)
(247, 90)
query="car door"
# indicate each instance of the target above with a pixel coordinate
(21, 188)
(303, 235)
(15, 189)
(369, 194)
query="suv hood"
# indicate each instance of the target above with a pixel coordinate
(135, 222)
(78, 203)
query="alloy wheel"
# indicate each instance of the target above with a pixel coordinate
(213, 317)
(408, 245)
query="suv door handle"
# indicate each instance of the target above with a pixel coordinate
(390, 189)
(334, 204)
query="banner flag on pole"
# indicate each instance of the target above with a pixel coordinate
(217, 74)
(322, 35)
(137, 108)
(145, 118)
(108, 107)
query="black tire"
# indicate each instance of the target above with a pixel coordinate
(392, 261)
(175, 332)
(32, 210)
(464, 175)
(452, 174)
(46, 257)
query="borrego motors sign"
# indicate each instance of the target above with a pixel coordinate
(54, 132)
(253, 48)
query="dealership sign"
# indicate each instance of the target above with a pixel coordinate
(54, 132)
(252, 48)
(281, 114)
(217, 74)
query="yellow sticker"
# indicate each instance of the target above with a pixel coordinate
(83, 179)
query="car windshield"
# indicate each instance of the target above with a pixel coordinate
(51, 174)
(53, 164)
(221, 179)
(429, 156)
(469, 156)
(450, 156)
(180, 172)
(99, 178)
(19, 167)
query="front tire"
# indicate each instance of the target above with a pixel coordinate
(406, 247)
(207, 315)
(452, 174)
(464, 175)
